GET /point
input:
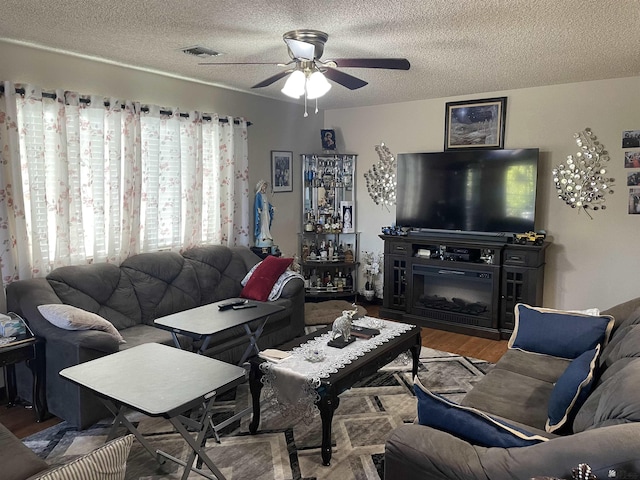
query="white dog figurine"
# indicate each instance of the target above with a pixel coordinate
(342, 325)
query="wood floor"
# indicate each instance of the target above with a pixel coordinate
(467, 345)
(21, 421)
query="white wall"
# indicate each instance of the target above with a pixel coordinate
(276, 125)
(591, 263)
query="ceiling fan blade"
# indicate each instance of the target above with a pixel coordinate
(344, 79)
(387, 63)
(268, 81)
(301, 50)
(240, 63)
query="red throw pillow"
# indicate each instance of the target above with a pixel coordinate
(264, 277)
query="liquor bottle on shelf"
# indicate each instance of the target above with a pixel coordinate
(330, 250)
(323, 250)
(309, 225)
(348, 254)
(349, 281)
(338, 280)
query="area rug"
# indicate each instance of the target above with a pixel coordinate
(287, 448)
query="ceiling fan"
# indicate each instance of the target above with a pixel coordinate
(305, 48)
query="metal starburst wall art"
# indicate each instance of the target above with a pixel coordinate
(582, 181)
(381, 178)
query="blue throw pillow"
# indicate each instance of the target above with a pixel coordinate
(558, 333)
(467, 423)
(571, 389)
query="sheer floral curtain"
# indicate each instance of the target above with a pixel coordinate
(87, 179)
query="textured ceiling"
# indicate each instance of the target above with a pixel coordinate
(456, 47)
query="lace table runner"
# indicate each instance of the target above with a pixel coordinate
(291, 384)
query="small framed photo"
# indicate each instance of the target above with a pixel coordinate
(328, 139)
(281, 171)
(348, 220)
(632, 159)
(634, 201)
(475, 124)
(631, 139)
(633, 179)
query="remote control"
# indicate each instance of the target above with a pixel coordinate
(230, 304)
(246, 305)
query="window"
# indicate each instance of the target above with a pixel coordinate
(102, 180)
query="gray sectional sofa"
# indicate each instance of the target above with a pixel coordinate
(604, 433)
(143, 288)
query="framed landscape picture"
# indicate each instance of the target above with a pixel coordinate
(281, 172)
(475, 124)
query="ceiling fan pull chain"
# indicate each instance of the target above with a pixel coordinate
(305, 103)
(316, 106)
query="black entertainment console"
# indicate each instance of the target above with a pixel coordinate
(459, 282)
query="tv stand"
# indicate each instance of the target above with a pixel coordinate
(460, 282)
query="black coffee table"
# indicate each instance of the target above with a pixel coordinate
(332, 386)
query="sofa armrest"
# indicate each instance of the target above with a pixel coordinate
(18, 462)
(416, 451)
(23, 298)
(605, 449)
(292, 288)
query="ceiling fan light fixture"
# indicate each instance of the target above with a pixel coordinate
(317, 85)
(295, 84)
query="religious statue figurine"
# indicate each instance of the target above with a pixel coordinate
(263, 213)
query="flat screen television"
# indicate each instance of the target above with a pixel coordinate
(480, 191)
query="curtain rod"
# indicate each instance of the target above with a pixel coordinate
(53, 96)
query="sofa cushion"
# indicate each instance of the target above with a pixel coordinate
(572, 389)
(625, 344)
(540, 367)
(616, 400)
(626, 313)
(263, 277)
(219, 270)
(469, 424)
(512, 395)
(109, 462)
(142, 333)
(558, 333)
(100, 288)
(163, 282)
(73, 318)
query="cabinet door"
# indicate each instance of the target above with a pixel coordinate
(519, 285)
(395, 281)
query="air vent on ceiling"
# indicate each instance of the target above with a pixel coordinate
(201, 52)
